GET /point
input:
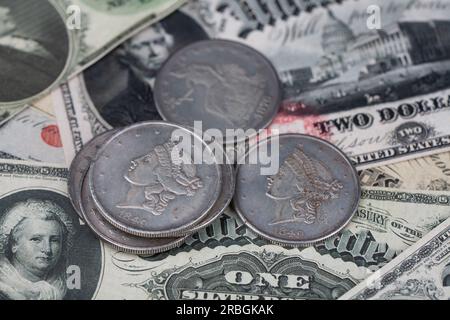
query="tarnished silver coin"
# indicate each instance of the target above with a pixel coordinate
(312, 196)
(222, 83)
(80, 166)
(117, 238)
(225, 197)
(141, 188)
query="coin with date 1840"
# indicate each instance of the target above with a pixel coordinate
(311, 197)
(117, 238)
(140, 188)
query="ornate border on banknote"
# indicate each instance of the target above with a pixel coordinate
(408, 264)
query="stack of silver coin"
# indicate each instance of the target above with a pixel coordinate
(130, 190)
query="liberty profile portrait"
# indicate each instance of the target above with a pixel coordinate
(156, 179)
(301, 187)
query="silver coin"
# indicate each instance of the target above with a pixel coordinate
(117, 238)
(224, 84)
(80, 166)
(226, 195)
(312, 196)
(140, 189)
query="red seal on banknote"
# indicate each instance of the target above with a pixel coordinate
(50, 135)
(288, 121)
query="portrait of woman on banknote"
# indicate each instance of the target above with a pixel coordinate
(35, 236)
(33, 48)
(120, 85)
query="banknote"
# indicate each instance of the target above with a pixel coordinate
(426, 173)
(4, 114)
(387, 223)
(31, 134)
(45, 104)
(118, 89)
(43, 43)
(64, 260)
(422, 272)
(77, 121)
(226, 260)
(374, 94)
(381, 97)
(246, 272)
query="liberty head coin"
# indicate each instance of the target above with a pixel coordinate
(142, 186)
(117, 238)
(313, 195)
(224, 84)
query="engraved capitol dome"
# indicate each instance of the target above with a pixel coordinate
(335, 36)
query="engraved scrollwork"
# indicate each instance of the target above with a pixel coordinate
(269, 257)
(407, 265)
(414, 289)
(389, 278)
(154, 287)
(426, 251)
(368, 293)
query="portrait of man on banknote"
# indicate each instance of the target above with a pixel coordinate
(36, 46)
(120, 85)
(35, 236)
